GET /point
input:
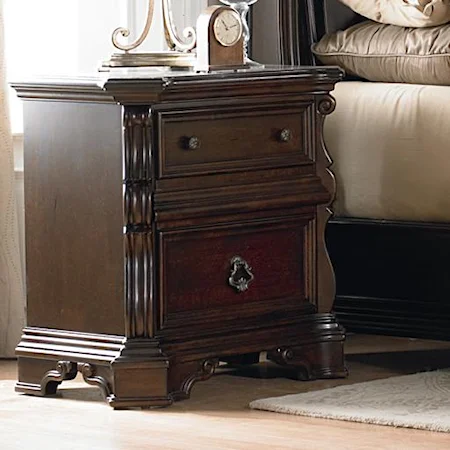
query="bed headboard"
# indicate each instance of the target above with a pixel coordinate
(303, 22)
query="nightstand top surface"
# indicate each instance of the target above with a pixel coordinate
(152, 84)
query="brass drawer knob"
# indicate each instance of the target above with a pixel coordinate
(241, 274)
(191, 143)
(285, 135)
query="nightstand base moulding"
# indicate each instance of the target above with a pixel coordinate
(137, 373)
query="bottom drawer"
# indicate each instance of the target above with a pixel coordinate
(225, 267)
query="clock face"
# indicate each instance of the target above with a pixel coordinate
(228, 28)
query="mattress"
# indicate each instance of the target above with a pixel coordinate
(390, 146)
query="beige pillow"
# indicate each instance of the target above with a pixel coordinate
(380, 52)
(404, 13)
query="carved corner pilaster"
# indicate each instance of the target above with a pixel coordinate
(138, 219)
(138, 284)
(325, 290)
(137, 144)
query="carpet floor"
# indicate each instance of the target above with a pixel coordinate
(420, 401)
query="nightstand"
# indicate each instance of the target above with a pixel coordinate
(175, 220)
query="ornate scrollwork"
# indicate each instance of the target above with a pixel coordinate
(65, 370)
(241, 274)
(171, 33)
(325, 292)
(89, 373)
(173, 40)
(125, 32)
(326, 105)
(284, 355)
(209, 367)
(206, 370)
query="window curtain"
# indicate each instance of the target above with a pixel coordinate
(12, 295)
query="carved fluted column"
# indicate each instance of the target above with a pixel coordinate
(138, 223)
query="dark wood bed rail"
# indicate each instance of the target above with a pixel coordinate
(302, 22)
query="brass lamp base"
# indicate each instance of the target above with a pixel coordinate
(156, 59)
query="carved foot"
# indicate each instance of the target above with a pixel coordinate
(122, 387)
(91, 377)
(48, 384)
(313, 361)
(183, 376)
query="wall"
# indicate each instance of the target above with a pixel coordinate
(73, 37)
(54, 44)
(265, 32)
(19, 191)
(189, 11)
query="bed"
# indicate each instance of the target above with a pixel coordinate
(389, 239)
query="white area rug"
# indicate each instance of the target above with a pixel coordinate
(419, 401)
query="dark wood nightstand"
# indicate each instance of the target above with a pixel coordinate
(175, 220)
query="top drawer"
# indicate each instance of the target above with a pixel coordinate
(201, 141)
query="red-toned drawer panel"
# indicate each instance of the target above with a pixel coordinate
(206, 269)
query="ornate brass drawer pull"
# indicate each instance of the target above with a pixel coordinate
(190, 143)
(241, 274)
(285, 135)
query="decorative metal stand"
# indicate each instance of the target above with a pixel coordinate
(179, 53)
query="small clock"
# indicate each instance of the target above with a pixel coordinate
(228, 28)
(220, 40)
